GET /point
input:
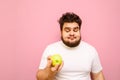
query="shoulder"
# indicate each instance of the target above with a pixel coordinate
(88, 47)
(54, 45)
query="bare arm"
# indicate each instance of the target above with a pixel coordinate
(97, 76)
(41, 74)
(49, 72)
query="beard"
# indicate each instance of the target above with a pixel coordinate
(71, 44)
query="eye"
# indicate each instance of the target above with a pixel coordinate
(76, 29)
(67, 29)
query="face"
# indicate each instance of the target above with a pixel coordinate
(71, 34)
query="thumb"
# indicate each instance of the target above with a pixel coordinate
(49, 61)
(55, 68)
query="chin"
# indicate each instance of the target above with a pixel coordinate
(73, 43)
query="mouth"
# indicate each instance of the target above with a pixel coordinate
(72, 37)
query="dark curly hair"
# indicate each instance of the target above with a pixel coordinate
(69, 17)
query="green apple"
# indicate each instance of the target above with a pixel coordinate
(56, 59)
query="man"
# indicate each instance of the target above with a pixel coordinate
(80, 59)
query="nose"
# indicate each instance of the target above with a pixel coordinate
(71, 33)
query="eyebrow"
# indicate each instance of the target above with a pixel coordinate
(73, 27)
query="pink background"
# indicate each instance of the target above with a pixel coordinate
(28, 26)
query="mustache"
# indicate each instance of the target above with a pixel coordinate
(76, 43)
(71, 36)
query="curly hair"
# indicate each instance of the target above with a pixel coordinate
(69, 17)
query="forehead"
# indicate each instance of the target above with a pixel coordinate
(70, 25)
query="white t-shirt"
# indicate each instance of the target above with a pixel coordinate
(78, 61)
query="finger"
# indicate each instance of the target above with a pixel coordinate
(55, 68)
(49, 61)
(60, 67)
(49, 58)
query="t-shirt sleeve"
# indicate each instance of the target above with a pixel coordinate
(43, 61)
(96, 65)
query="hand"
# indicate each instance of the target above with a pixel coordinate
(52, 70)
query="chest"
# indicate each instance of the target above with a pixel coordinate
(75, 60)
(78, 62)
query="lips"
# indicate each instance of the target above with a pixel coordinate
(71, 37)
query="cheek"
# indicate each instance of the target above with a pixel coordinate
(65, 37)
(64, 34)
(78, 36)
(77, 33)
